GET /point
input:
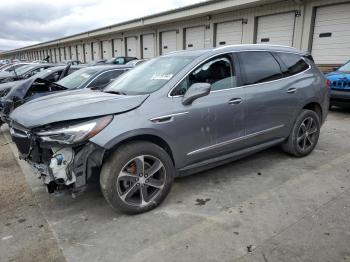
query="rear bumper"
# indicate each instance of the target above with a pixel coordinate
(339, 97)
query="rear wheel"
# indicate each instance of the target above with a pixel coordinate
(137, 177)
(304, 136)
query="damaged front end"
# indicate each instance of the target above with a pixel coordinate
(62, 154)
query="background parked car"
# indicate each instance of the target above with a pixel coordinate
(136, 62)
(24, 72)
(96, 77)
(339, 82)
(12, 66)
(14, 94)
(97, 62)
(72, 62)
(120, 60)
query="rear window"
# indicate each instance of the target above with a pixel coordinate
(294, 63)
(259, 67)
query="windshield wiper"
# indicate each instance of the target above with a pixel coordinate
(116, 92)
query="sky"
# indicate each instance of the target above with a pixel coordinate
(27, 22)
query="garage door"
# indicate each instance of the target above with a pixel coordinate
(80, 53)
(55, 55)
(107, 49)
(66, 53)
(229, 33)
(88, 54)
(276, 29)
(96, 50)
(195, 37)
(131, 46)
(73, 52)
(61, 54)
(331, 39)
(118, 47)
(169, 42)
(148, 46)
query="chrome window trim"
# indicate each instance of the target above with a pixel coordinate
(243, 86)
(235, 140)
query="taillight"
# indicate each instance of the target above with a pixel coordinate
(328, 83)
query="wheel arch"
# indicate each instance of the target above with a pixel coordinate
(316, 107)
(155, 139)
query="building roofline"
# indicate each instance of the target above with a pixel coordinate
(141, 20)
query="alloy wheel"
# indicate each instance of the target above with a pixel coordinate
(307, 134)
(141, 180)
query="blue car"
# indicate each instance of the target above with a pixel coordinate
(339, 82)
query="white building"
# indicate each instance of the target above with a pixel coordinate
(319, 26)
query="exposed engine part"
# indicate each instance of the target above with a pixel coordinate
(59, 166)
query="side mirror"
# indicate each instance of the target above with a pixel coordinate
(196, 91)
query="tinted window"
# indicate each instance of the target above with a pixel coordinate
(217, 72)
(259, 67)
(294, 63)
(105, 78)
(78, 78)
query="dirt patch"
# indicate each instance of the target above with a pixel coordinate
(22, 238)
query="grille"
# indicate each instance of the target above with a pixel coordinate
(341, 84)
(4, 92)
(22, 139)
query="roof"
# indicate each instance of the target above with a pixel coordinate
(232, 48)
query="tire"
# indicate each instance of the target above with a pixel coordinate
(130, 190)
(303, 138)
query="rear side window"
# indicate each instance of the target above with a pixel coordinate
(293, 62)
(259, 67)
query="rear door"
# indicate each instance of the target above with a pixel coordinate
(270, 100)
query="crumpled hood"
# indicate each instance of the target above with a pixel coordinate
(5, 74)
(9, 85)
(72, 105)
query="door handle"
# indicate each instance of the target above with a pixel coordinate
(235, 101)
(291, 90)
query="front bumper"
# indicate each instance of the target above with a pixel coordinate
(63, 165)
(340, 97)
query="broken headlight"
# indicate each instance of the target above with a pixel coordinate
(75, 133)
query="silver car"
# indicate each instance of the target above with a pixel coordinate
(171, 116)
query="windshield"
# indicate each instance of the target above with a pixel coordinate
(78, 78)
(345, 68)
(42, 74)
(24, 69)
(149, 76)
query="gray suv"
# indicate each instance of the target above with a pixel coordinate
(171, 116)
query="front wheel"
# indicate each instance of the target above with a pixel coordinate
(137, 177)
(304, 136)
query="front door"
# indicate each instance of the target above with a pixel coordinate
(212, 125)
